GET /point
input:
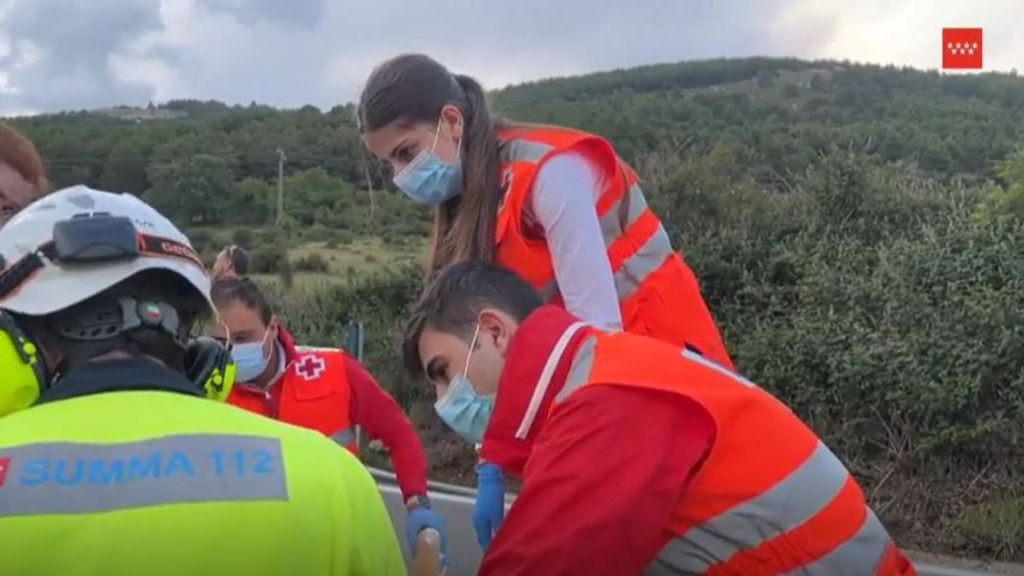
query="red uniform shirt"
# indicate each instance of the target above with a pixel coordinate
(369, 407)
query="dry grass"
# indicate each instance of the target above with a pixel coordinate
(363, 256)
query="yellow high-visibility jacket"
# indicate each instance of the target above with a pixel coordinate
(153, 483)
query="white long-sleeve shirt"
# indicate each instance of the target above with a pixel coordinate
(563, 202)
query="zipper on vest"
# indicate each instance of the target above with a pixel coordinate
(269, 406)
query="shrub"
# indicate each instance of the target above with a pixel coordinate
(319, 233)
(311, 263)
(243, 237)
(268, 259)
(344, 237)
(287, 274)
(202, 240)
(379, 300)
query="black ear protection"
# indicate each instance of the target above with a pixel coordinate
(21, 363)
(209, 365)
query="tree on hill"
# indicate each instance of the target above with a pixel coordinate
(947, 126)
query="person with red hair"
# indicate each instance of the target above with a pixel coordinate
(22, 174)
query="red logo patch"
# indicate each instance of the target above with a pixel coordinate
(961, 48)
(5, 464)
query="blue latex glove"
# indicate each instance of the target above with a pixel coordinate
(419, 519)
(490, 502)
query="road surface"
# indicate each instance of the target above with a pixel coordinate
(455, 505)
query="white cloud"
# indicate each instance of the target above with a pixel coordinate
(909, 32)
(320, 51)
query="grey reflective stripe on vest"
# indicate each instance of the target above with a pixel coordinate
(648, 257)
(611, 222)
(519, 150)
(861, 554)
(579, 371)
(798, 497)
(635, 269)
(345, 436)
(72, 478)
(695, 357)
(642, 263)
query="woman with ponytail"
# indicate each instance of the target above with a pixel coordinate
(555, 205)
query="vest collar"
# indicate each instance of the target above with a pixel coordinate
(287, 342)
(118, 375)
(288, 354)
(536, 367)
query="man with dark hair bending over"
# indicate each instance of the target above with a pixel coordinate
(325, 390)
(635, 454)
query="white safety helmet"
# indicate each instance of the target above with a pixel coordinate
(49, 266)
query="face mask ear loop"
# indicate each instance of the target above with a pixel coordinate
(227, 334)
(437, 132)
(458, 143)
(472, 345)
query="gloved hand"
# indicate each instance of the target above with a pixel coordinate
(490, 502)
(419, 519)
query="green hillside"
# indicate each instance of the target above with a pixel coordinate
(208, 163)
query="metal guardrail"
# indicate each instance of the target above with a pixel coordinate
(933, 570)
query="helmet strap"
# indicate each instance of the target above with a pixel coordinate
(107, 324)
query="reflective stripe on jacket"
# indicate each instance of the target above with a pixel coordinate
(770, 497)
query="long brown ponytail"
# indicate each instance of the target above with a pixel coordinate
(413, 88)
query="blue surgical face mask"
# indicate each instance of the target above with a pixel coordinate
(462, 408)
(250, 359)
(430, 180)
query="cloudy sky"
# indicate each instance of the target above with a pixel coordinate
(75, 54)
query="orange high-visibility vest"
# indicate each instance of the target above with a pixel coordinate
(314, 393)
(770, 498)
(659, 295)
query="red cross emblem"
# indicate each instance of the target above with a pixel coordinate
(310, 367)
(5, 463)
